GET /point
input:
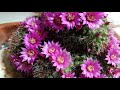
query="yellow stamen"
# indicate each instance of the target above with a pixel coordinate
(70, 17)
(90, 68)
(113, 56)
(51, 50)
(31, 53)
(91, 17)
(60, 59)
(32, 40)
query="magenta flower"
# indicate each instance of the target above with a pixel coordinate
(24, 67)
(29, 54)
(68, 75)
(70, 19)
(32, 22)
(41, 33)
(78, 27)
(102, 76)
(113, 41)
(82, 76)
(32, 39)
(50, 48)
(92, 19)
(61, 59)
(88, 49)
(91, 68)
(56, 21)
(113, 57)
(111, 70)
(19, 65)
(113, 45)
(116, 73)
(112, 37)
(14, 59)
(44, 19)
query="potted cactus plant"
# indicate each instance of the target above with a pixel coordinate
(65, 45)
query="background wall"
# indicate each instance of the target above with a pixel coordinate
(114, 17)
(13, 16)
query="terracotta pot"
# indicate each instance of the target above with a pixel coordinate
(6, 29)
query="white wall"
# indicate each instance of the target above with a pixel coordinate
(13, 16)
(114, 17)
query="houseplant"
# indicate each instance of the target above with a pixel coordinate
(65, 45)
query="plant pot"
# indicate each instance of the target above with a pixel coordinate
(6, 70)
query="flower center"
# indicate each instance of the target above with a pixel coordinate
(112, 46)
(90, 68)
(52, 50)
(70, 17)
(60, 59)
(57, 20)
(113, 56)
(32, 40)
(33, 23)
(31, 53)
(90, 17)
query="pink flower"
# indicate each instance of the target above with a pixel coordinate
(111, 70)
(113, 45)
(19, 65)
(32, 39)
(82, 76)
(61, 59)
(24, 67)
(50, 48)
(102, 76)
(113, 57)
(44, 19)
(78, 27)
(116, 73)
(68, 75)
(70, 19)
(56, 21)
(88, 49)
(91, 68)
(113, 41)
(32, 22)
(14, 59)
(29, 54)
(92, 19)
(40, 33)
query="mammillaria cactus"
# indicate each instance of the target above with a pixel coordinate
(65, 45)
